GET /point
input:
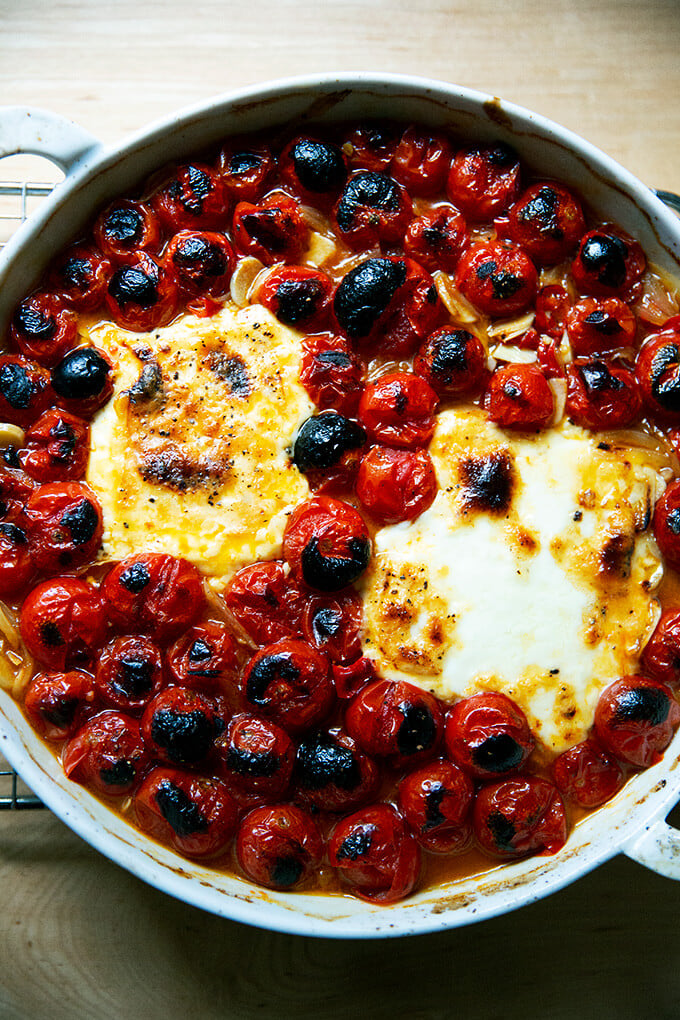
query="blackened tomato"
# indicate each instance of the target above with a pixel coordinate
(602, 395)
(520, 816)
(396, 721)
(498, 278)
(635, 719)
(192, 197)
(666, 523)
(290, 683)
(273, 231)
(331, 373)
(314, 169)
(129, 673)
(279, 846)
(488, 736)
(180, 726)
(202, 262)
(298, 296)
(587, 775)
(81, 276)
(142, 294)
(454, 362)
(333, 774)
(64, 525)
(484, 182)
(25, 389)
(57, 704)
(153, 593)
(245, 169)
(373, 209)
(375, 854)
(437, 239)
(326, 543)
(256, 757)
(608, 263)
(596, 325)
(17, 566)
(396, 485)
(63, 622)
(266, 600)
(206, 657)
(127, 226)
(56, 447)
(658, 372)
(332, 623)
(436, 801)
(44, 328)
(519, 397)
(107, 754)
(195, 816)
(398, 409)
(547, 221)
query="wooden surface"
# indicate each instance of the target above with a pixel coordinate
(80, 938)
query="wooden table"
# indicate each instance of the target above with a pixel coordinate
(79, 937)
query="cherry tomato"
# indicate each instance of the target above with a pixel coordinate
(586, 775)
(498, 278)
(63, 622)
(315, 170)
(266, 601)
(519, 397)
(192, 197)
(520, 816)
(245, 169)
(488, 736)
(25, 389)
(331, 373)
(17, 566)
(326, 543)
(57, 704)
(107, 754)
(298, 296)
(548, 358)
(81, 276)
(56, 448)
(332, 623)
(484, 182)
(154, 593)
(375, 854)
(396, 721)
(195, 816)
(661, 655)
(289, 682)
(635, 720)
(373, 209)
(180, 726)
(272, 231)
(436, 801)
(597, 325)
(453, 362)
(326, 447)
(658, 372)
(371, 146)
(349, 678)
(278, 847)
(552, 305)
(64, 525)
(602, 395)
(332, 774)
(126, 227)
(547, 221)
(396, 485)
(15, 490)
(129, 673)
(666, 523)
(398, 408)
(608, 263)
(205, 658)
(256, 757)
(437, 239)
(421, 161)
(142, 295)
(83, 380)
(202, 262)
(43, 328)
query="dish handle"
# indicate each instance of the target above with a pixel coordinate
(26, 129)
(657, 848)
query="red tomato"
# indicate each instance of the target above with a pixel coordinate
(273, 231)
(398, 409)
(602, 395)
(195, 816)
(349, 678)
(484, 182)
(635, 720)
(332, 774)
(547, 357)
(396, 485)
(661, 655)
(666, 523)
(81, 276)
(15, 490)
(56, 447)
(326, 543)
(396, 721)
(520, 816)
(373, 209)
(298, 296)
(206, 658)
(107, 754)
(586, 775)
(331, 373)
(547, 221)
(498, 278)
(201, 262)
(154, 593)
(256, 757)
(332, 623)
(519, 397)
(83, 380)
(57, 704)
(278, 847)
(371, 146)
(597, 325)
(375, 854)
(142, 295)
(658, 373)
(180, 726)
(421, 161)
(245, 169)
(63, 622)
(437, 239)
(191, 197)
(266, 601)
(315, 170)
(453, 362)
(488, 736)
(126, 227)
(17, 566)
(289, 682)
(436, 801)
(43, 328)
(129, 673)
(64, 525)
(552, 305)
(608, 263)
(25, 389)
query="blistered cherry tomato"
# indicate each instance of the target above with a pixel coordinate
(331, 373)
(371, 146)
(81, 276)
(436, 801)
(635, 719)
(278, 847)
(142, 295)
(15, 490)
(256, 757)
(661, 655)
(437, 238)
(586, 775)
(154, 593)
(17, 566)
(56, 448)
(332, 774)
(666, 523)
(349, 678)
(484, 182)
(421, 161)
(597, 325)
(332, 623)
(396, 485)
(180, 726)
(245, 169)
(290, 683)
(658, 372)
(129, 673)
(57, 704)
(547, 221)
(83, 380)
(497, 278)
(273, 231)
(398, 408)
(315, 170)
(195, 816)
(608, 263)
(63, 622)
(488, 735)
(326, 543)
(323, 441)
(552, 306)
(206, 658)
(43, 327)
(126, 227)
(192, 197)
(106, 754)
(298, 296)
(266, 600)
(453, 362)
(373, 209)
(24, 389)
(519, 397)
(602, 395)
(64, 525)
(397, 721)
(520, 816)
(201, 261)
(375, 854)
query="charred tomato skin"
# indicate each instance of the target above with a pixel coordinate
(658, 373)
(497, 277)
(375, 854)
(107, 754)
(519, 397)
(635, 719)
(373, 209)
(332, 623)
(83, 380)
(256, 757)
(298, 296)
(192, 196)
(278, 846)
(437, 239)
(484, 182)
(80, 275)
(180, 726)
(245, 168)
(436, 801)
(331, 373)
(289, 682)
(17, 564)
(488, 736)
(520, 816)
(25, 390)
(396, 721)
(587, 775)
(547, 222)
(608, 264)
(201, 261)
(599, 325)
(129, 673)
(56, 447)
(314, 169)
(326, 543)
(602, 395)
(127, 226)
(63, 623)
(44, 328)
(153, 593)
(142, 295)
(206, 658)
(398, 410)
(666, 524)
(333, 774)
(57, 704)
(65, 525)
(272, 231)
(454, 363)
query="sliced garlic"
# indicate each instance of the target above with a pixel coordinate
(242, 278)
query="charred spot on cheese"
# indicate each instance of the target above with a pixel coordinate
(81, 521)
(357, 844)
(173, 469)
(332, 573)
(642, 704)
(147, 391)
(232, 370)
(266, 671)
(488, 482)
(186, 737)
(135, 578)
(322, 761)
(179, 811)
(616, 554)
(365, 292)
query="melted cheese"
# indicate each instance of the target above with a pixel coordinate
(530, 573)
(191, 456)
